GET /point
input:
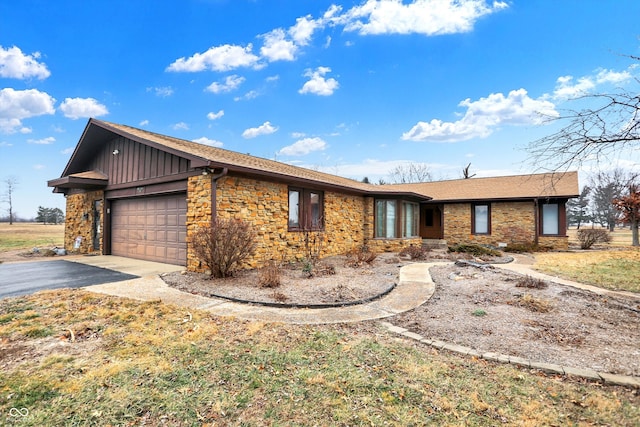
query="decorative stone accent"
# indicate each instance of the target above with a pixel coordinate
(79, 221)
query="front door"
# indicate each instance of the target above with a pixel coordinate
(431, 222)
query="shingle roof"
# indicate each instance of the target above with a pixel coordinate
(496, 188)
(219, 157)
(545, 185)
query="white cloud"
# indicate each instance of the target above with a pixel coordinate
(277, 48)
(75, 108)
(568, 88)
(265, 129)
(144, 123)
(68, 150)
(43, 141)
(180, 126)
(302, 31)
(252, 94)
(220, 58)
(207, 141)
(230, 83)
(304, 146)
(318, 84)
(17, 105)
(214, 116)
(39, 167)
(298, 135)
(428, 17)
(17, 65)
(5, 144)
(162, 92)
(484, 116)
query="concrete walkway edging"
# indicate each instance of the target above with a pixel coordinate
(588, 374)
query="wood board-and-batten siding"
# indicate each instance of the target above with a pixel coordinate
(136, 162)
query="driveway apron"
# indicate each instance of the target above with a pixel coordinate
(28, 277)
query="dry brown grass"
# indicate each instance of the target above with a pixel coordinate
(71, 357)
(26, 235)
(611, 269)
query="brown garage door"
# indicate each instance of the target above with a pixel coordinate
(150, 228)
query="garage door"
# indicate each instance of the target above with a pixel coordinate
(150, 228)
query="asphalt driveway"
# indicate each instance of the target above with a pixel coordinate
(24, 278)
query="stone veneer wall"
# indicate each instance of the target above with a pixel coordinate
(199, 210)
(75, 225)
(511, 223)
(348, 219)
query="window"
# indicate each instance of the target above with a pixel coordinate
(550, 219)
(386, 218)
(305, 209)
(410, 219)
(481, 219)
(395, 218)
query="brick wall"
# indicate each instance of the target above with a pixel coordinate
(511, 223)
(79, 221)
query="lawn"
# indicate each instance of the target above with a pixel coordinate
(71, 357)
(26, 235)
(615, 265)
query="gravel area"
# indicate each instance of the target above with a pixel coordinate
(486, 308)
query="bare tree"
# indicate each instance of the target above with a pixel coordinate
(410, 172)
(613, 123)
(606, 187)
(466, 172)
(10, 187)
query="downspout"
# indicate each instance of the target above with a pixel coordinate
(536, 216)
(214, 187)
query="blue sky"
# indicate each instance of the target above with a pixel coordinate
(353, 88)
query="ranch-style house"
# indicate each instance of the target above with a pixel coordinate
(138, 194)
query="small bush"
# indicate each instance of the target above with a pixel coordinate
(537, 305)
(519, 248)
(358, 257)
(479, 313)
(270, 276)
(590, 236)
(415, 252)
(531, 283)
(224, 245)
(475, 250)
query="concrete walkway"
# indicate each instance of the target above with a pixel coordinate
(414, 288)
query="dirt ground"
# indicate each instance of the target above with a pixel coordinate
(488, 309)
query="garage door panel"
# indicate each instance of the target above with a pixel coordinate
(152, 228)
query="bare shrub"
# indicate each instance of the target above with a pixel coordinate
(270, 275)
(590, 236)
(357, 257)
(531, 283)
(415, 252)
(537, 305)
(224, 245)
